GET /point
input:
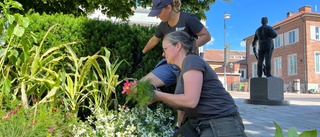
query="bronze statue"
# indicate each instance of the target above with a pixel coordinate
(264, 34)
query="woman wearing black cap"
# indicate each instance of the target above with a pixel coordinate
(172, 20)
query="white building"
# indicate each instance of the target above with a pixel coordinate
(140, 17)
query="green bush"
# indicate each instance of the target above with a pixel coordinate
(123, 40)
(60, 72)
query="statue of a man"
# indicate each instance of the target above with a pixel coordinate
(264, 34)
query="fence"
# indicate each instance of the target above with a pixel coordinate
(238, 86)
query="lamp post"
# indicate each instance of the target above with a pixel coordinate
(231, 69)
(226, 57)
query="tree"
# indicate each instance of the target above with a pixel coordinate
(120, 9)
(197, 7)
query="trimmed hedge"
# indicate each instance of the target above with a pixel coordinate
(123, 40)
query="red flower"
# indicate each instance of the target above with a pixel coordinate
(54, 110)
(35, 100)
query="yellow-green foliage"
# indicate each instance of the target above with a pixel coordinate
(292, 132)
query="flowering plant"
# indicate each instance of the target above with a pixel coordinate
(141, 92)
(127, 122)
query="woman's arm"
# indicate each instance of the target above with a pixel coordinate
(203, 37)
(193, 80)
(153, 41)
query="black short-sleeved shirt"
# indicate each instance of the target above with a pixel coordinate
(187, 22)
(214, 101)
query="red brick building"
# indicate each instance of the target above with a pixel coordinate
(235, 74)
(296, 56)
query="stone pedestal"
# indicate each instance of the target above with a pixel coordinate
(266, 91)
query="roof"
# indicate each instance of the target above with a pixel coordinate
(304, 10)
(218, 55)
(289, 18)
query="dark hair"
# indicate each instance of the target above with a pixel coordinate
(187, 42)
(264, 20)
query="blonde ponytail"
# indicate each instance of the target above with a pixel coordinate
(176, 5)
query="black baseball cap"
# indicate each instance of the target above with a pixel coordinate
(157, 6)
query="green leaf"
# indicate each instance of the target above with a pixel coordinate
(18, 31)
(106, 52)
(70, 87)
(6, 85)
(292, 132)
(16, 5)
(25, 22)
(278, 130)
(2, 51)
(51, 93)
(309, 133)
(10, 19)
(13, 53)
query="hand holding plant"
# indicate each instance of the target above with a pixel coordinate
(141, 92)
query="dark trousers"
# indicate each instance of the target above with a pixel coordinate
(230, 126)
(265, 54)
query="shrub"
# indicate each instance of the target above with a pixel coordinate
(128, 122)
(292, 132)
(40, 120)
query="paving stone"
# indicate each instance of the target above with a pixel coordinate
(303, 113)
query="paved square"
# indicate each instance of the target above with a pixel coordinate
(303, 113)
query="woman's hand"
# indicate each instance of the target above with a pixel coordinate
(157, 97)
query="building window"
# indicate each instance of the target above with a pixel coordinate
(317, 33)
(292, 64)
(314, 31)
(291, 37)
(278, 41)
(254, 69)
(243, 74)
(317, 62)
(277, 67)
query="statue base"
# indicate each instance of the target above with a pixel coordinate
(266, 91)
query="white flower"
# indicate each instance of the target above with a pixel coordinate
(80, 132)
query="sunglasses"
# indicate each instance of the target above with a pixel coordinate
(165, 47)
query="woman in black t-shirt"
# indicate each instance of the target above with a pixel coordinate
(209, 109)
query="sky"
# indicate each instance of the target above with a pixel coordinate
(245, 18)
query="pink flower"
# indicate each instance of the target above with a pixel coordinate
(51, 129)
(126, 87)
(134, 84)
(12, 112)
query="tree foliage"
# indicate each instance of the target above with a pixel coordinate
(121, 9)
